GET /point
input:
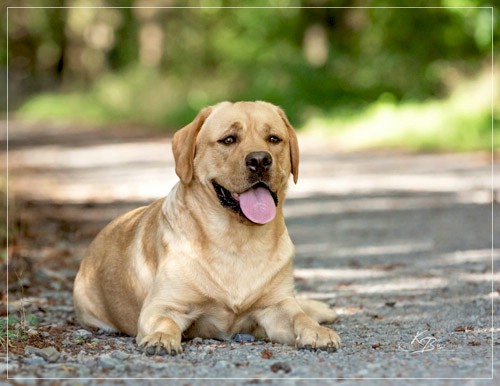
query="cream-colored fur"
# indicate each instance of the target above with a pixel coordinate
(187, 266)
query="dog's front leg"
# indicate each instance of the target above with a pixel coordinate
(287, 323)
(160, 329)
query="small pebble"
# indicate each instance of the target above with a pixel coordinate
(50, 354)
(120, 355)
(82, 334)
(281, 366)
(243, 338)
(34, 360)
(212, 341)
(30, 350)
(106, 362)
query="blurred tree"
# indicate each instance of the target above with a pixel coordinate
(176, 60)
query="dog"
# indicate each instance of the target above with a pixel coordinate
(214, 257)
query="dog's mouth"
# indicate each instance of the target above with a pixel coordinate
(257, 204)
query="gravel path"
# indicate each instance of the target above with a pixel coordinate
(399, 244)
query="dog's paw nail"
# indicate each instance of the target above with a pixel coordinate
(161, 351)
(177, 351)
(150, 350)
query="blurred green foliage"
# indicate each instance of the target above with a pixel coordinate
(159, 66)
(460, 122)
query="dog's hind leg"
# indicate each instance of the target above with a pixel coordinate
(318, 311)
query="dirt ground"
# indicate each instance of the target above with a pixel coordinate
(400, 244)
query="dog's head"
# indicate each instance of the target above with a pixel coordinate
(242, 153)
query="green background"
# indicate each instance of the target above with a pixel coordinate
(417, 78)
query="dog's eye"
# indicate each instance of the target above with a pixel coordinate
(274, 139)
(229, 140)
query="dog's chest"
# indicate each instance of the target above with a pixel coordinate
(240, 283)
(231, 299)
(239, 279)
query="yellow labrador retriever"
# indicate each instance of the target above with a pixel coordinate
(214, 257)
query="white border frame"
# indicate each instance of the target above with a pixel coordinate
(261, 7)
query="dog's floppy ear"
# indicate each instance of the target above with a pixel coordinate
(294, 145)
(184, 146)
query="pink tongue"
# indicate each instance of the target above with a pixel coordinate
(258, 205)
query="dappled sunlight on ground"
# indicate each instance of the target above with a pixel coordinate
(84, 168)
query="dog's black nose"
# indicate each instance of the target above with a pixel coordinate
(258, 161)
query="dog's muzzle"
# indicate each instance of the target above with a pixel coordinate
(257, 204)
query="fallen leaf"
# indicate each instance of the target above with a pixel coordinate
(266, 354)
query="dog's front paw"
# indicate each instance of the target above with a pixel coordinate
(318, 338)
(160, 343)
